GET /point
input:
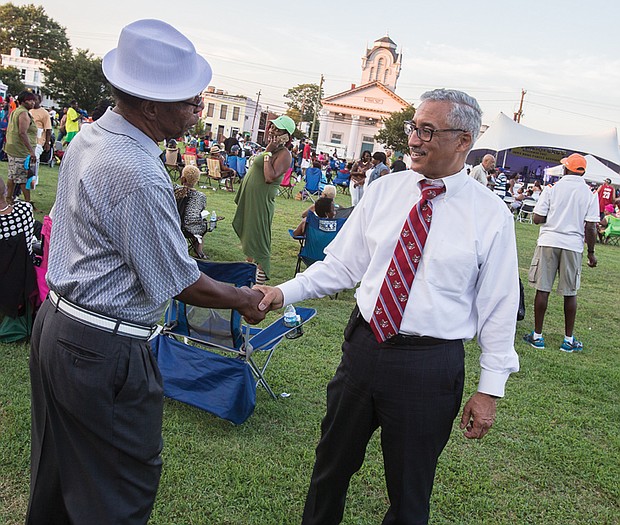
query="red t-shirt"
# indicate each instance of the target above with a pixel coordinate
(307, 150)
(605, 196)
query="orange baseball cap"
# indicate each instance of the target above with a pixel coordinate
(575, 163)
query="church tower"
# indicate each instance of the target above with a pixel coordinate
(382, 63)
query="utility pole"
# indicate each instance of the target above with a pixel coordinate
(519, 114)
(255, 111)
(316, 106)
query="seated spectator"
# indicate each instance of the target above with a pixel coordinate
(519, 198)
(225, 172)
(17, 278)
(173, 154)
(610, 223)
(323, 208)
(329, 191)
(399, 165)
(190, 203)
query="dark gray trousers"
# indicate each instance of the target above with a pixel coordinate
(97, 404)
(413, 393)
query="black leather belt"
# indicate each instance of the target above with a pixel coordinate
(407, 340)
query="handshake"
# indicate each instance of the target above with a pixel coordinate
(259, 300)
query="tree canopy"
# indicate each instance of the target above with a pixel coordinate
(12, 77)
(76, 76)
(393, 135)
(32, 31)
(303, 99)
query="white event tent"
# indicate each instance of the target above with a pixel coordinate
(596, 171)
(504, 134)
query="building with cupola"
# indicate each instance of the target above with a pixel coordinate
(350, 120)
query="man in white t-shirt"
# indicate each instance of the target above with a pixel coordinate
(562, 211)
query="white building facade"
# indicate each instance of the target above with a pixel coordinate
(350, 120)
(31, 69)
(225, 115)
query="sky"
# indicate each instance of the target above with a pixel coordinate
(565, 55)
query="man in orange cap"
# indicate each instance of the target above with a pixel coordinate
(561, 211)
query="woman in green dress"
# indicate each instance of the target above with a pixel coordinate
(256, 197)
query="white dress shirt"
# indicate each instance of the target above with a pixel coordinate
(467, 280)
(567, 205)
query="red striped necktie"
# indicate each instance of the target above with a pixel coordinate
(388, 313)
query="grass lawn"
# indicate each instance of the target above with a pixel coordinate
(553, 456)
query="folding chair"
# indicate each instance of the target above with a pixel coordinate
(172, 163)
(342, 181)
(612, 232)
(319, 233)
(204, 378)
(526, 211)
(313, 183)
(287, 185)
(214, 174)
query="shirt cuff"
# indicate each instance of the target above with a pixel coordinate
(292, 292)
(492, 383)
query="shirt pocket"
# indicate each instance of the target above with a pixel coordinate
(451, 270)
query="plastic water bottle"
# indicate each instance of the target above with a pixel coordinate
(292, 320)
(290, 316)
(213, 221)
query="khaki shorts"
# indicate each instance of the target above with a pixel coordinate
(17, 173)
(548, 261)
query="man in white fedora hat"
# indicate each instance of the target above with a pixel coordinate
(117, 255)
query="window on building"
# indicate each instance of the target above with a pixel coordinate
(336, 138)
(236, 110)
(223, 111)
(385, 76)
(23, 76)
(368, 144)
(380, 68)
(210, 109)
(37, 77)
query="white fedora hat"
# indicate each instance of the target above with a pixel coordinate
(154, 61)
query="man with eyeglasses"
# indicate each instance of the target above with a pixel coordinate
(435, 255)
(117, 255)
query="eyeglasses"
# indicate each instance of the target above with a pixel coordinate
(196, 102)
(425, 134)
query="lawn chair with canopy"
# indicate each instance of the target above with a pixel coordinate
(210, 359)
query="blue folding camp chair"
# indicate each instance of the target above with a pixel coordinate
(318, 234)
(342, 181)
(238, 164)
(314, 185)
(195, 349)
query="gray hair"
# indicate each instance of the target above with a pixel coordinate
(465, 113)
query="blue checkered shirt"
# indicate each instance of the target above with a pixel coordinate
(116, 246)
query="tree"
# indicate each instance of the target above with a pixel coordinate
(393, 135)
(304, 99)
(76, 76)
(32, 31)
(12, 77)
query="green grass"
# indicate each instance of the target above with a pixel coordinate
(553, 456)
